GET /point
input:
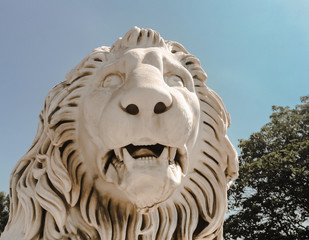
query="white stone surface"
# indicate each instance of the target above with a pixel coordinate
(132, 145)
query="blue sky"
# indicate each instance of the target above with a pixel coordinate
(256, 54)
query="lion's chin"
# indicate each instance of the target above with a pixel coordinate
(148, 174)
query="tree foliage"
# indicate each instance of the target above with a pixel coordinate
(4, 210)
(269, 200)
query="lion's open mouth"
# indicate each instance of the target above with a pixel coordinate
(146, 155)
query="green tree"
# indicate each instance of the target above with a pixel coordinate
(269, 200)
(4, 210)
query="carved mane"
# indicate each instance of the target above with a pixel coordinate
(49, 187)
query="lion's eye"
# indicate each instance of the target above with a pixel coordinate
(174, 81)
(112, 80)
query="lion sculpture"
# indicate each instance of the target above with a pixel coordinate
(132, 145)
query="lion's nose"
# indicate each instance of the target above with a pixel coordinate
(160, 108)
(146, 100)
(132, 109)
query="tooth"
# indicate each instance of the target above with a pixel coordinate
(118, 164)
(175, 173)
(164, 154)
(127, 158)
(111, 174)
(172, 154)
(163, 159)
(184, 160)
(118, 153)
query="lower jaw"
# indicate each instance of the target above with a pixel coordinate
(147, 189)
(145, 185)
(145, 181)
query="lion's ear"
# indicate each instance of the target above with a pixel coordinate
(95, 58)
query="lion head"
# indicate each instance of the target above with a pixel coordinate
(132, 145)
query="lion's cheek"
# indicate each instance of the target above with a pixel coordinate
(116, 129)
(100, 112)
(188, 118)
(91, 142)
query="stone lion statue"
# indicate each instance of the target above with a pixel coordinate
(132, 145)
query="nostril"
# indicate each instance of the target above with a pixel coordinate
(132, 109)
(160, 108)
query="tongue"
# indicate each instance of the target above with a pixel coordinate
(143, 152)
